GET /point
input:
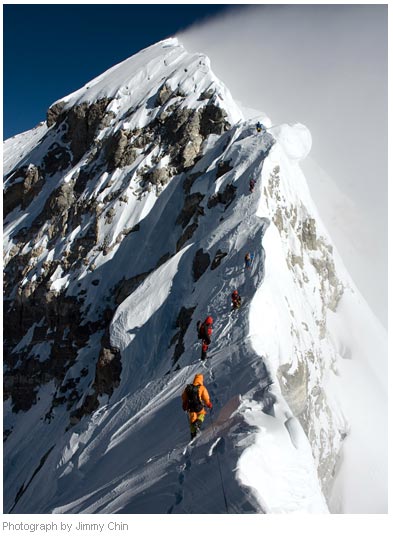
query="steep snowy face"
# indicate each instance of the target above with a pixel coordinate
(325, 350)
(76, 187)
(301, 287)
(128, 215)
(98, 201)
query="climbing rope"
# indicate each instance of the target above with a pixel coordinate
(219, 468)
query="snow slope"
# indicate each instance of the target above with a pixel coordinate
(282, 422)
(354, 367)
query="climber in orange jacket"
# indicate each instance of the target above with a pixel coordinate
(195, 396)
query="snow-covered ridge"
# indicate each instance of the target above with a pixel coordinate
(20, 145)
(134, 81)
(118, 239)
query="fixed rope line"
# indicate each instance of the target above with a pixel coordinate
(219, 468)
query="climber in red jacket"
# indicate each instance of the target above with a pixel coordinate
(236, 300)
(205, 331)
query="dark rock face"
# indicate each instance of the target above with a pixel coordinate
(217, 259)
(107, 378)
(82, 123)
(108, 370)
(23, 191)
(185, 130)
(200, 264)
(54, 113)
(158, 176)
(213, 120)
(224, 198)
(56, 159)
(223, 167)
(164, 94)
(191, 208)
(189, 231)
(309, 234)
(128, 286)
(183, 321)
(119, 150)
(189, 181)
(57, 320)
(206, 95)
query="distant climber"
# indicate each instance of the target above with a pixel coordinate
(252, 185)
(248, 261)
(194, 397)
(236, 300)
(205, 331)
(260, 127)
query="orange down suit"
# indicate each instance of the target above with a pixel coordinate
(204, 396)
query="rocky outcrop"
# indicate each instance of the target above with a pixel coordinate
(54, 320)
(106, 379)
(119, 150)
(54, 113)
(158, 176)
(200, 264)
(223, 167)
(26, 183)
(164, 94)
(294, 386)
(191, 209)
(224, 198)
(189, 181)
(182, 322)
(127, 286)
(185, 130)
(217, 259)
(108, 371)
(186, 236)
(81, 124)
(58, 158)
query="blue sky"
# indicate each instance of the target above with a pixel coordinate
(52, 50)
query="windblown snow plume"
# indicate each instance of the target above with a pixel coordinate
(128, 215)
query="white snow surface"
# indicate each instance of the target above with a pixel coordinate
(135, 81)
(295, 140)
(354, 352)
(132, 454)
(17, 147)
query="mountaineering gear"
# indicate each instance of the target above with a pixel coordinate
(260, 127)
(252, 185)
(248, 260)
(205, 348)
(194, 402)
(195, 427)
(205, 329)
(199, 323)
(201, 397)
(236, 300)
(204, 332)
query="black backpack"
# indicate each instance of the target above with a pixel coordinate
(199, 326)
(194, 401)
